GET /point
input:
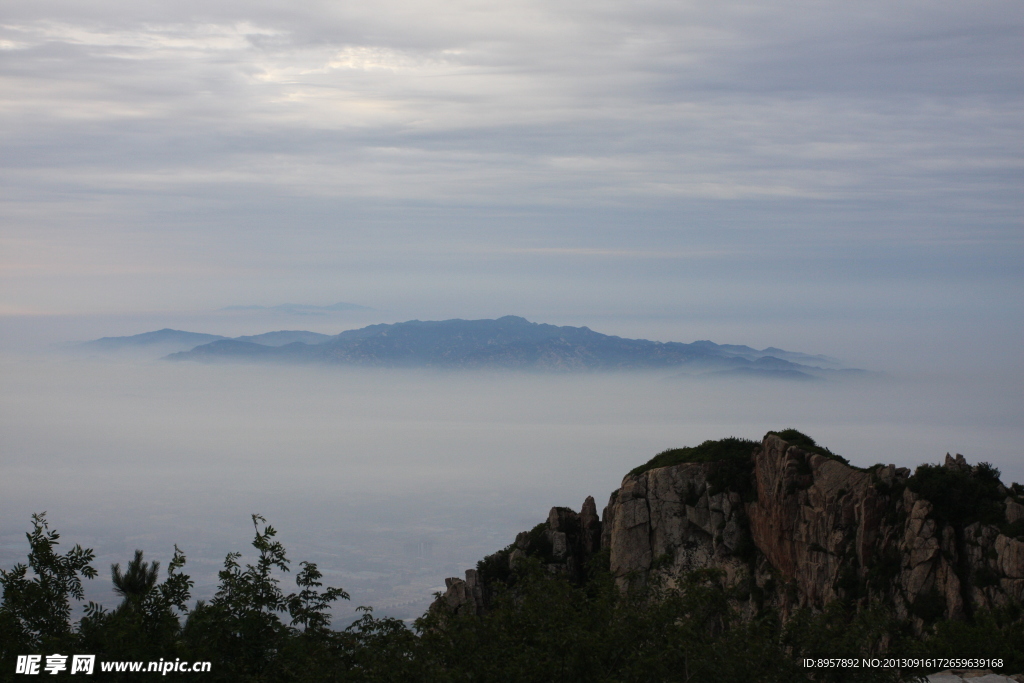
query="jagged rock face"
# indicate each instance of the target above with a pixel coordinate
(813, 530)
(670, 519)
(820, 530)
(818, 523)
(565, 544)
(462, 596)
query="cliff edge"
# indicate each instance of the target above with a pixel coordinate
(790, 525)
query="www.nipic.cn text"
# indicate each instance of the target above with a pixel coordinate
(86, 664)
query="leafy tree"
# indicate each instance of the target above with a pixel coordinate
(136, 583)
(36, 609)
(241, 630)
(308, 608)
(145, 626)
(841, 631)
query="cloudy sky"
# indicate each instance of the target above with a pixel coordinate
(795, 159)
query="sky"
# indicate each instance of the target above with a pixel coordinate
(836, 178)
(790, 159)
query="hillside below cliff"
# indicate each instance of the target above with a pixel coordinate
(788, 525)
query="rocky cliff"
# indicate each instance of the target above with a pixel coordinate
(790, 525)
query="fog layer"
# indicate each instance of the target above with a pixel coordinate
(393, 480)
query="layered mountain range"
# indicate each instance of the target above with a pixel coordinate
(179, 340)
(509, 342)
(790, 525)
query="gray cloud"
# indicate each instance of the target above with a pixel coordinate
(205, 142)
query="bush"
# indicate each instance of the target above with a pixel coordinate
(961, 497)
(729, 449)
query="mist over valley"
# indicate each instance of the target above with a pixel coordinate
(393, 478)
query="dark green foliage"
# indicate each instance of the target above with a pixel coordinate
(145, 625)
(892, 489)
(540, 627)
(734, 474)
(849, 582)
(733, 469)
(985, 576)
(544, 629)
(242, 631)
(895, 513)
(661, 561)
(36, 609)
(693, 494)
(801, 440)
(548, 629)
(241, 627)
(599, 563)
(494, 568)
(990, 634)
(839, 631)
(961, 497)
(375, 650)
(309, 608)
(1013, 530)
(930, 606)
(539, 545)
(883, 570)
(730, 448)
(136, 583)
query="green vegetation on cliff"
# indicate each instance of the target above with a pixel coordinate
(961, 496)
(732, 467)
(728, 449)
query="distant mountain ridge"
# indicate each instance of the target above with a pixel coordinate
(510, 342)
(178, 340)
(164, 337)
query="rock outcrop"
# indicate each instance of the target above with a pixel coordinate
(794, 527)
(564, 543)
